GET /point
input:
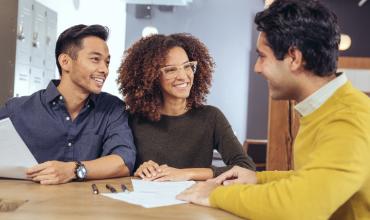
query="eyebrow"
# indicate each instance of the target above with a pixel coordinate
(180, 64)
(98, 54)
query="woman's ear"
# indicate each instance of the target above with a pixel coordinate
(65, 62)
(297, 61)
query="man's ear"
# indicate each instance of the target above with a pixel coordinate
(65, 62)
(296, 59)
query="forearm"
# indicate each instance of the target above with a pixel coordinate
(268, 176)
(106, 167)
(199, 173)
(296, 193)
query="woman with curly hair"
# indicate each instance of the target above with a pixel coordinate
(164, 81)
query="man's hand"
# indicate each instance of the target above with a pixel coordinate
(236, 175)
(147, 169)
(198, 193)
(52, 172)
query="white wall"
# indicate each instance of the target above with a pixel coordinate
(110, 13)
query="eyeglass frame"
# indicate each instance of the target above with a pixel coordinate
(178, 68)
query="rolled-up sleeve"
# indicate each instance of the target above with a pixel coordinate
(118, 137)
(6, 110)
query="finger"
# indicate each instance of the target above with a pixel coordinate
(230, 182)
(152, 170)
(184, 196)
(40, 178)
(146, 173)
(163, 179)
(49, 182)
(138, 171)
(224, 176)
(159, 175)
(152, 163)
(37, 168)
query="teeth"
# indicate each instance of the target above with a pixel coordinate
(98, 80)
(183, 85)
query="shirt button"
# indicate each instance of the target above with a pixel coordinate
(61, 97)
(69, 144)
(68, 118)
(54, 103)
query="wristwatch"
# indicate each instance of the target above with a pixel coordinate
(80, 171)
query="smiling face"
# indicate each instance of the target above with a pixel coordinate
(88, 72)
(281, 81)
(177, 88)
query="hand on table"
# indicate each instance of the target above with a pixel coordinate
(151, 171)
(198, 193)
(52, 172)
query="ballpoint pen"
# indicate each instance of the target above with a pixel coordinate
(111, 188)
(123, 187)
(94, 189)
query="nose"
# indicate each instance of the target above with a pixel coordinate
(181, 73)
(104, 68)
(257, 67)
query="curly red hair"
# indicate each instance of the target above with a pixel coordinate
(139, 73)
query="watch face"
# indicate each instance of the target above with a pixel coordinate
(81, 172)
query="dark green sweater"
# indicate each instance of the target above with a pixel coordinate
(188, 140)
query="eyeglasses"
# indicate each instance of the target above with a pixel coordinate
(171, 72)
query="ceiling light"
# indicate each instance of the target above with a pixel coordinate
(149, 30)
(345, 42)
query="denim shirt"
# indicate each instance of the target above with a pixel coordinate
(100, 129)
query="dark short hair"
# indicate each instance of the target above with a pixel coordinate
(70, 41)
(306, 25)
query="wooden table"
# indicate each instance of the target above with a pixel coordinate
(76, 201)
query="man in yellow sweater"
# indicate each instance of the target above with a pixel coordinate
(298, 51)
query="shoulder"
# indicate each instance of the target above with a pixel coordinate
(209, 110)
(106, 100)
(18, 102)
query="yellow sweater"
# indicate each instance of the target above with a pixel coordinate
(332, 169)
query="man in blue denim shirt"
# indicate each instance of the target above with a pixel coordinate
(74, 130)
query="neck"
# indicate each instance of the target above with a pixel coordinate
(174, 107)
(74, 98)
(311, 83)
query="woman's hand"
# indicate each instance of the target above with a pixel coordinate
(168, 173)
(148, 169)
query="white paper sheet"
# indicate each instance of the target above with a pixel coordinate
(152, 194)
(15, 156)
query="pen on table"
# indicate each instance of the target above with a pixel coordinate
(123, 187)
(94, 189)
(111, 188)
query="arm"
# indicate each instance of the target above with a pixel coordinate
(338, 169)
(269, 176)
(4, 112)
(106, 167)
(9, 106)
(56, 172)
(118, 142)
(229, 147)
(117, 158)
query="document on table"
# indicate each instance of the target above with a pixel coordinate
(152, 194)
(15, 156)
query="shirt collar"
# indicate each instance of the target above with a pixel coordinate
(316, 99)
(52, 93)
